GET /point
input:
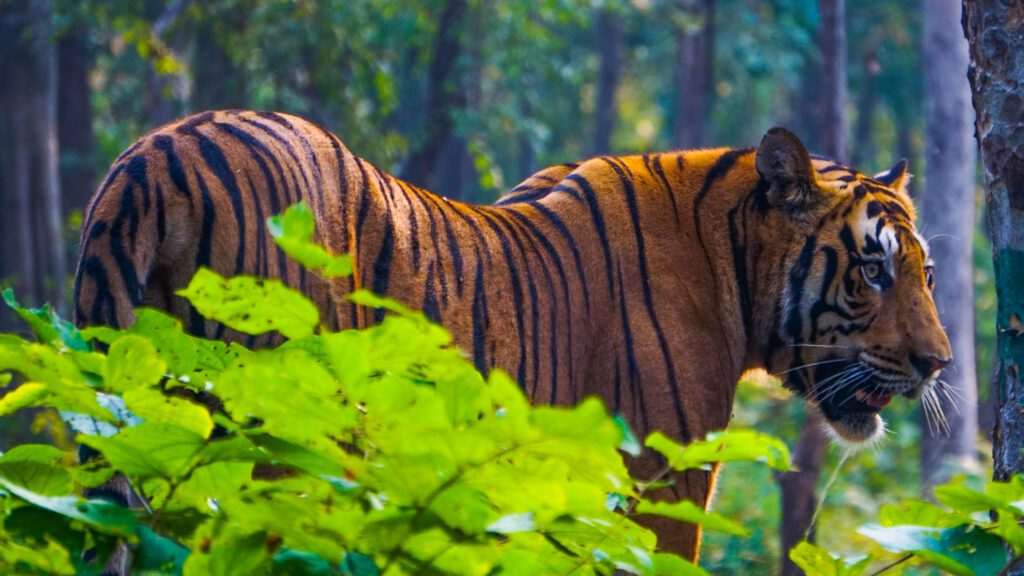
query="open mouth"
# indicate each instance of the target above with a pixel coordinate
(848, 388)
(850, 396)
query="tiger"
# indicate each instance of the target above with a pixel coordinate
(653, 281)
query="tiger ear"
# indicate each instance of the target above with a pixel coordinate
(896, 177)
(785, 164)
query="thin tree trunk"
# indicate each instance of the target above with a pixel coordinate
(220, 83)
(947, 215)
(832, 42)
(799, 488)
(609, 41)
(694, 74)
(33, 257)
(444, 94)
(74, 118)
(863, 132)
(995, 31)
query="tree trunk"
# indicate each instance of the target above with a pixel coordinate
(74, 118)
(609, 41)
(995, 32)
(863, 154)
(694, 74)
(947, 216)
(832, 43)
(798, 488)
(445, 94)
(218, 82)
(30, 202)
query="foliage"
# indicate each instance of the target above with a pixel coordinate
(966, 535)
(381, 451)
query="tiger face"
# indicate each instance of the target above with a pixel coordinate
(856, 317)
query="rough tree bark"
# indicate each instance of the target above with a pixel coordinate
(947, 217)
(609, 42)
(30, 201)
(799, 493)
(863, 152)
(995, 32)
(695, 46)
(444, 94)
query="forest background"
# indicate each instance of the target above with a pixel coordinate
(468, 97)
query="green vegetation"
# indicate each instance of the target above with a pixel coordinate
(379, 451)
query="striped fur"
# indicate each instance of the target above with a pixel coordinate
(652, 281)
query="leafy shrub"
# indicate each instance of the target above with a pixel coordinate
(380, 451)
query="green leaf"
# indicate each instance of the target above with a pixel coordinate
(293, 562)
(149, 449)
(960, 550)
(46, 324)
(158, 553)
(49, 559)
(102, 515)
(920, 513)
(252, 305)
(370, 300)
(132, 362)
(228, 555)
(155, 406)
(355, 564)
(672, 565)
(734, 445)
(34, 467)
(687, 511)
(816, 561)
(630, 443)
(964, 499)
(293, 233)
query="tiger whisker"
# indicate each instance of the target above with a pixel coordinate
(812, 364)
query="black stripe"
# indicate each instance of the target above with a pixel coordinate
(633, 369)
(660, 171)
(204, 250)
(125, 266)
(532, 229)
(634, 215)
(571, 242)
(480, 318)
(598, 219)
(161, 216)
(797, 278)
(102, 192)
(453, 242)
(166, 145)
(382, 265)
(517, 296)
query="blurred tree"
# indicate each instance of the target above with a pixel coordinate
(218, 82)
(609, 43)
(74, 113)
(947, 221)
(995, 32)
(445, 94)
(799, 487)
(30, 201)
(694, 75)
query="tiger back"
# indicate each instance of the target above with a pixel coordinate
(652, 281)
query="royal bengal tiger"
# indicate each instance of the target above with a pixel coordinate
(652, 281)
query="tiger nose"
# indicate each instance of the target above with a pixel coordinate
(928, 365)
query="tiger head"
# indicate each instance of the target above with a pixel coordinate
(854, 323)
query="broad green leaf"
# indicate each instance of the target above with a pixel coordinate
(464, 508)
(1010, 530)
(158, 553)
(920, 513)
(102, 515)
(35, 468)
(46, 324)
(512, 523)
(230, 554)
(687, 511)
(28, 394)
(152, 405)
(1010, 494)
(630, 443)
(149, 449)
(293, 562)
(960, 550)
(963, 499)
(733, 445)
(356, 564)
(252, 305)
(49, 559)
(132, 362)
(293, 233)
(371, 300)
(816, 561)
(672, 565)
